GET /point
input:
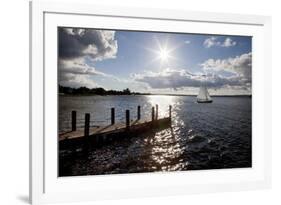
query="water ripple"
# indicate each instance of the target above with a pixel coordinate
(202, 136)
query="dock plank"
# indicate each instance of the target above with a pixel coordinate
(100, 135)
(100, 130)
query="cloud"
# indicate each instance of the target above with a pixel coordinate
(239, 66)
(77, 66)
(177, 79)
(76, 81)
(228, 42)
(209, 42)
(239, 71)
(213, 41)
(95, 44)
(78, 50)
(167, 78)
(187, 42)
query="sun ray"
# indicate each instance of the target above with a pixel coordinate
(163, 52)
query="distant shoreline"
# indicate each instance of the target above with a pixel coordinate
(84, 91)
(81, 95)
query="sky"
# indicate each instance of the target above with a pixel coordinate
(155, 62)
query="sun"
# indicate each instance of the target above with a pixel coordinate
(164, 54)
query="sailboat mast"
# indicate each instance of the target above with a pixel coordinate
(205, 89)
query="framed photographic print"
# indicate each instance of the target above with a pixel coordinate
(128, 102)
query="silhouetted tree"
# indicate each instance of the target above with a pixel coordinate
(99, 91)
(127, 91)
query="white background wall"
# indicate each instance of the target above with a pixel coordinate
(14, 100)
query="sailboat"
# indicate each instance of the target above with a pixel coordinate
(204, 96)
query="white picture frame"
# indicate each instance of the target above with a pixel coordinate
(46, 187)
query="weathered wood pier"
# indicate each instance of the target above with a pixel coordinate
(99, 135)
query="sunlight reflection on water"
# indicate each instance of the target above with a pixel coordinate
(166, 148)
(163, 103)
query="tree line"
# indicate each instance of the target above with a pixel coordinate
(95, 91)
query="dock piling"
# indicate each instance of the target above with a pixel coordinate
(156, 115)
(73, 120)
(139, 113)
(170, 111)
(87, 125)
(127, 118)
(152, 114)
(112, 116)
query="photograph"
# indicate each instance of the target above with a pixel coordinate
(133, 101)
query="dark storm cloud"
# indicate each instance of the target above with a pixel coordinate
(181, 78)
(79, 47)
(168, 79)
(77, 43)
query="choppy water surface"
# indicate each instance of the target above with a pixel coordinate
(202, 136)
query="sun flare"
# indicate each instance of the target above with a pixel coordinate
(164, 54)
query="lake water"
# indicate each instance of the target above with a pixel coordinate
(203, 136)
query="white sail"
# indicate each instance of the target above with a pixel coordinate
(203, 95)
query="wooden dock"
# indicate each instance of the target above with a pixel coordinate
(99, 135)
